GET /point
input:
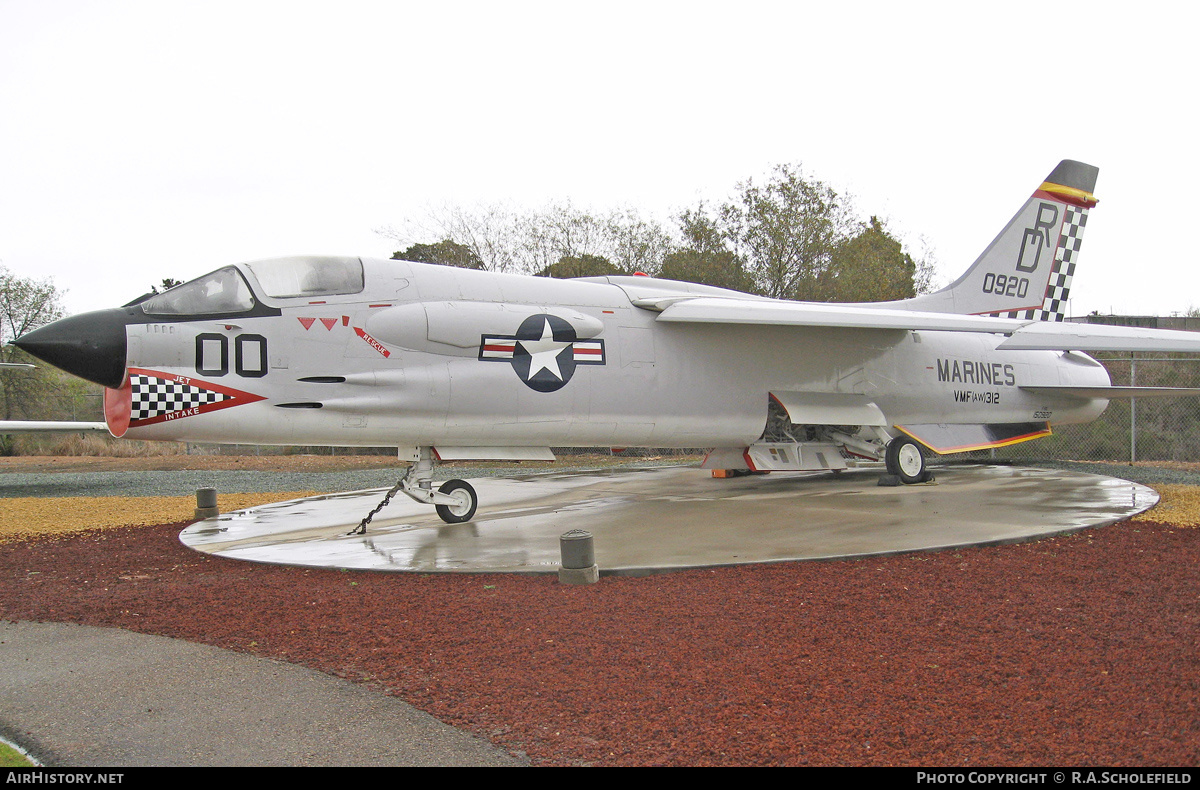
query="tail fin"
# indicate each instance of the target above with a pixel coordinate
(1026, 271)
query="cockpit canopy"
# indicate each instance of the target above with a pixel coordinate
(226, 290)
(316, 276)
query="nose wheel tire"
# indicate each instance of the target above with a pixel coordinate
(905, 459)
(464, 507)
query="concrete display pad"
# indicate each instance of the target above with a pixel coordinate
(656, 519)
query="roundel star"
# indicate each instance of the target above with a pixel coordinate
(544, 352)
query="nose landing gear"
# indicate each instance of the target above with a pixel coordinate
(455, 500)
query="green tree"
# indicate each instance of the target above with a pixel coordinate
(167, 284)
(580, 266)
(870, 266)
(705, 257)
(721, 269)
(791, 236)
(445, 253)
(786, 230)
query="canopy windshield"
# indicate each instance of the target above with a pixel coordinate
(221, 292)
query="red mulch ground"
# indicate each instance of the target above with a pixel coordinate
(1073, 650)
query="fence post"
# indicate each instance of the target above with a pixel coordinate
(1132, 411)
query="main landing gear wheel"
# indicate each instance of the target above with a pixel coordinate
(905, 460)
(464, 508)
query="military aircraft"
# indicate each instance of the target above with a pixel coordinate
(447, 363)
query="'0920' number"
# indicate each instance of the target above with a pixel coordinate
(249, 355)
(1005, 285)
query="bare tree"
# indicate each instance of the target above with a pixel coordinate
(491, 232)
(505, 239)
(26, 304)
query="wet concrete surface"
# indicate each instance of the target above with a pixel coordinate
(660, 519)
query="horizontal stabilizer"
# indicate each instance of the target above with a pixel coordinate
(1115, 392)
(38, 426)
(1044, 336)
(961, 438)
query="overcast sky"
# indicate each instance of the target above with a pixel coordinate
(142, 140)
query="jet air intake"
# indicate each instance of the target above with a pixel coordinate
(91, 346)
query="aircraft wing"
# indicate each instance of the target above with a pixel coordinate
(766, 312)
(1022, 335)
(43, 426)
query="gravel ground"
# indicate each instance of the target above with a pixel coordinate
(153, 478)
(1072, 650)
(160, 483)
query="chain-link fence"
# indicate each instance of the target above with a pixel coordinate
(1145, 429)
(1140, 429)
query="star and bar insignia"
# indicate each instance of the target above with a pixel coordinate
(544, 352)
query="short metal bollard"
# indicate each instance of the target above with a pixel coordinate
(578, 558)
(206, 503)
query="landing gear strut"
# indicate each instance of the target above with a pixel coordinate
(455, 501)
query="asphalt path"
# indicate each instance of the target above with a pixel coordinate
(74, 695)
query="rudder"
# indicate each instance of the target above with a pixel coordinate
(1026, 271)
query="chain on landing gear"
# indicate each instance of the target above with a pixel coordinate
(455, 500)
(361, 529)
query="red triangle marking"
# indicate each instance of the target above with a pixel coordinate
(306, 321)
(329, 322)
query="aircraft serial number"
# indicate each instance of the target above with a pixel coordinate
(1005, 285)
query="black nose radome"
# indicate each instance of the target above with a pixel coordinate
(90, 345)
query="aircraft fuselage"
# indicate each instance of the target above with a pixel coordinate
(428, 355)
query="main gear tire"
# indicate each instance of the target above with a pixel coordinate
(906, 460)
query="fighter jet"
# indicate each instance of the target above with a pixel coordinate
(447, 363)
